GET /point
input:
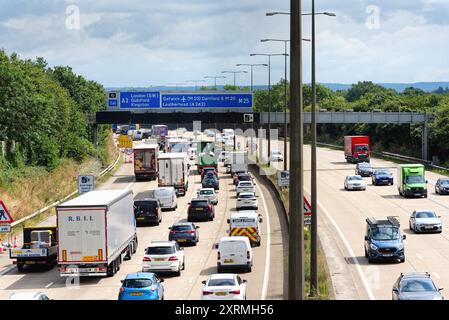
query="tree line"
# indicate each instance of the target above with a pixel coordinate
(43, 114)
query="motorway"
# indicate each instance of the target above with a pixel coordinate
(341, 227)
(266, 281)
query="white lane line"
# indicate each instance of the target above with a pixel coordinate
(266, 275)
(191, 279)
(130, 185)
(49, 285)
(436, 275)
(419, 256)
(7, 270)
(351, 253)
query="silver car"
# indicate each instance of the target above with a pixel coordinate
(416, 286)
(425, 221)
(354, 182)
(246, 200)
(208, 193)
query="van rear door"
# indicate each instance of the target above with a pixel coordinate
(233, 253)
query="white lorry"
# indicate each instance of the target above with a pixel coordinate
(96, 232)
(173, 171)
(178, 145)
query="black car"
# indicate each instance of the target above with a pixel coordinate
(210, 182)
(442, 186)
(184, 232)
(147, 211)
(243, 177)
(364, 169)
(200, 209)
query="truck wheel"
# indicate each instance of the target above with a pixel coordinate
(20, 267)
(135, 246)
(250, 269)
(110, 270)
(129, 252)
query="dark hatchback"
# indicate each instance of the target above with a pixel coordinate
(200, 210)
(243, 177)
(184, 232)
(210, 181)
(147, 211)
(442, 186)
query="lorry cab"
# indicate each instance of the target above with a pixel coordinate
(384, 240)
(246, 223)
(411, 180)
(356, 148)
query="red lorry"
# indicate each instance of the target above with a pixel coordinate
(357, 149)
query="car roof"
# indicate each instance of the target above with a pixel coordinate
(353, 175)
(25, 295)
(157, 243)
(146, 200)
(222, 276)
(234, 239)
(391, 221)
(164, 188)
(246, 182)
(140, 275)
(246, 193)
(424, 210)
(183, 224)
(244, 214)
(208, 189)
(414, 275)
(198, 199)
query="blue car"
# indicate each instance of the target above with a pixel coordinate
(382, 176)
(141, 286)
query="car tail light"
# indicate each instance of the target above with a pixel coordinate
(174, 258)
(205, 293)
(190, 232)
(247, 254)
(146, 259)
(122, 290)
(209, 207)
(172, 232)
(235, 292)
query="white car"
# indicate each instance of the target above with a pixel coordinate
(245, 186)
(167, 197)
(354, 182)
(246, 200)
(425, 221)
(208, 193)
(224, 286)
(276, 155)
(28, 296)
(163, 256)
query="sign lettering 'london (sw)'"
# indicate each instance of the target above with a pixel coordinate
(158, 100)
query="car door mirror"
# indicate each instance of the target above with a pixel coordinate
(439, 216)
(260, 220)
(203, 282)
(169, 228)
(395, 290)
(122, 281)
(427, 181)
(228, 221)
(245, 281)
(366, 238)
(404, 237)
(197, 227)
(439, 289)
(161, 280)
(216, 246)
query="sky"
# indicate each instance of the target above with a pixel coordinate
(150, 42)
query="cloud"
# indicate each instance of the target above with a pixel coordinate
(138, 42)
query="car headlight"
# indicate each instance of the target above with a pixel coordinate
(373, 246)
(401, 246)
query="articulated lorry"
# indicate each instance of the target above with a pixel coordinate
(145, 161)
(357, 149)
(40, 247)
(173, 171)
(96, 232)
(207, 156)
(411, 180)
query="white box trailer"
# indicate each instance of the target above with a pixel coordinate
(96, 232)
(173, 171)
(178, 145)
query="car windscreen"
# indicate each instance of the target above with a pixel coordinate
(246, 196)
(385, 233)
(414, 179)
(221, 282)
(162, 193)
(206, 192)
(355, 178)
(245, 184)
(181, 228)
(444, 182)
(361, 148)
(244, 178)
(160, 250)
(197, 204)
(383, 173)
(137, 283)
(145, 205)
(425, 214)
(417, 285)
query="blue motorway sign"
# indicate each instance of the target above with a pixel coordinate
(206, 100)
(140, 100)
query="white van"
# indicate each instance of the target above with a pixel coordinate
(167, 197)
(234, 252)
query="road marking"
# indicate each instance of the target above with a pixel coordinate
(7, 270)
(266, 275)
(49, 285)
(436, 275)
(348, 247)
(191, 280)
(129, 185)
(419, 256)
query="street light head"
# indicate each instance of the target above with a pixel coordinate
(305, 39)
(264, 40)
(252, 54)
(269, 14)
(330, 14)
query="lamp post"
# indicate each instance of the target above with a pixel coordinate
(286, 99)
(215, 79)
(234, 72)
(176, 85)
(313, 195)
(196, 82)
(252, 66)
(269, 94)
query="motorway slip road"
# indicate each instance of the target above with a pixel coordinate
(265, 281)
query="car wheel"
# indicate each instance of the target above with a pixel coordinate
(178, 273)
(183, 264)
(436, 191)
(219, 270)
(250, 269)
(402, 260)
(370, 260)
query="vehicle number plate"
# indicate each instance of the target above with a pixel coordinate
(199, 209)
(159, 259)
(220, 293)
(387, 254)
(228, 261)
(30, 262)
(428, 227)
(417, 194)
(140, 218)
(182, 240)
(136, 293)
